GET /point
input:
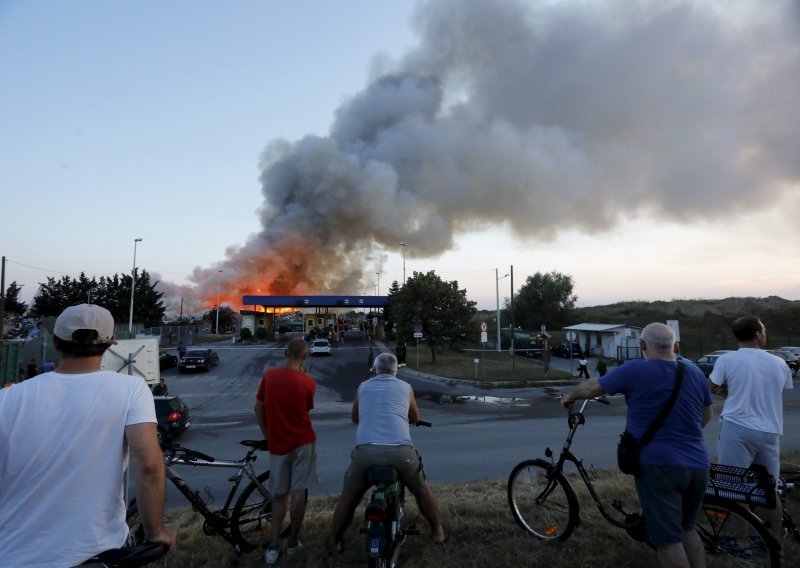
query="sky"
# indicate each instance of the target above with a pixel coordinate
(647, 149)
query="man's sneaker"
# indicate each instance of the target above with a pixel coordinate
(271, 555)
(293, 547)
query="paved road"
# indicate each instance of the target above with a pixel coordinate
(481, 437)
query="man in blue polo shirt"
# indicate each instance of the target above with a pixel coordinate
(675, 463)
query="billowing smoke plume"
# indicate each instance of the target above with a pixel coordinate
(539, 117)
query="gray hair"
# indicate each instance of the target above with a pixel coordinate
(385, 363)
(659, 337)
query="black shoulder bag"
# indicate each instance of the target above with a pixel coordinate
(629, 447)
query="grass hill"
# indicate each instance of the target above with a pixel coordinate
(704, 324)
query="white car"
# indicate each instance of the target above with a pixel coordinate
(320, 347)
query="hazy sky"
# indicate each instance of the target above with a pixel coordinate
(649, 149)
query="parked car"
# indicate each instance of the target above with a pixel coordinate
(534, 349)
(563, 350)
(706, 363)
(320, 347)
(198, 359)
(793, 350)
(167, 360)
(172, 415)
(787, 356)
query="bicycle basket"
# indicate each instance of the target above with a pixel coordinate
(753, 486)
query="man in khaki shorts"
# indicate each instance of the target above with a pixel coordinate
(383, 409)
(284, 398)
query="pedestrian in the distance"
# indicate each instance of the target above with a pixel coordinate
(583, 369)
(33, 369)
(601, 366)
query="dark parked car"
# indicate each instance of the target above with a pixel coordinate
(706, 363)
(172, 415)
(167, 360)
(563, 350)
(787, 356)
(198, 359)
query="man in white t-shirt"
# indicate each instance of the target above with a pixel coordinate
(65, 437)
(752, 382)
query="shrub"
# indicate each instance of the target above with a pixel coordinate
(246, 334)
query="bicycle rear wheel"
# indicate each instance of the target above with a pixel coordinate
(544, 504)
(733, 536)
(252, 515)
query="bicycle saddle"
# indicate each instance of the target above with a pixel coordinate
(257, 444)
(382, 473)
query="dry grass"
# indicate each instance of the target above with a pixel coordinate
(482, 533)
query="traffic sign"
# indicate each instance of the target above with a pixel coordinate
(571, 336)
(484, 326)
(417, 334)
(484, 337)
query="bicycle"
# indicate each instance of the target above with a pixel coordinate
(386, 528)
(246, 525)
(544, 503)
(733, 535)
(786, 482)
(128, 556)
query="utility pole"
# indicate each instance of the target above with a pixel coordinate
(133, 286)
(512, 318)
(2, 306)
(404, 262)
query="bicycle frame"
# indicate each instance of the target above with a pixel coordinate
(216, 521)
(576, 419)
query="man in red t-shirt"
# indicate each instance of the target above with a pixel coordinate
(284, 398)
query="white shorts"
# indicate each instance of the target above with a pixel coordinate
(742, 447)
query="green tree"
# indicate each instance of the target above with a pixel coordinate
(544, 299)
(113, 293)
(12, 302)
(439, 307)
(227, 318)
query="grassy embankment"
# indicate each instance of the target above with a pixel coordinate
(482, 533)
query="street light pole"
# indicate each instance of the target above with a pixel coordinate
(404, 262)
(219, 277)
(378, 285)
(512, 318)
(497, 292)
(133, 284)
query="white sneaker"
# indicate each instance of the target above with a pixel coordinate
(293, 547)
(271, 555)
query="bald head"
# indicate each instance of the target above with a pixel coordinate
(658, 342)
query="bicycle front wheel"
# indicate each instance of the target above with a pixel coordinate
(543, 503)
(733, 536)
(251, 517)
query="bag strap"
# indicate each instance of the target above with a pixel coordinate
(662, 416)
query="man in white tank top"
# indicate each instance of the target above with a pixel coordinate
(383, 409)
